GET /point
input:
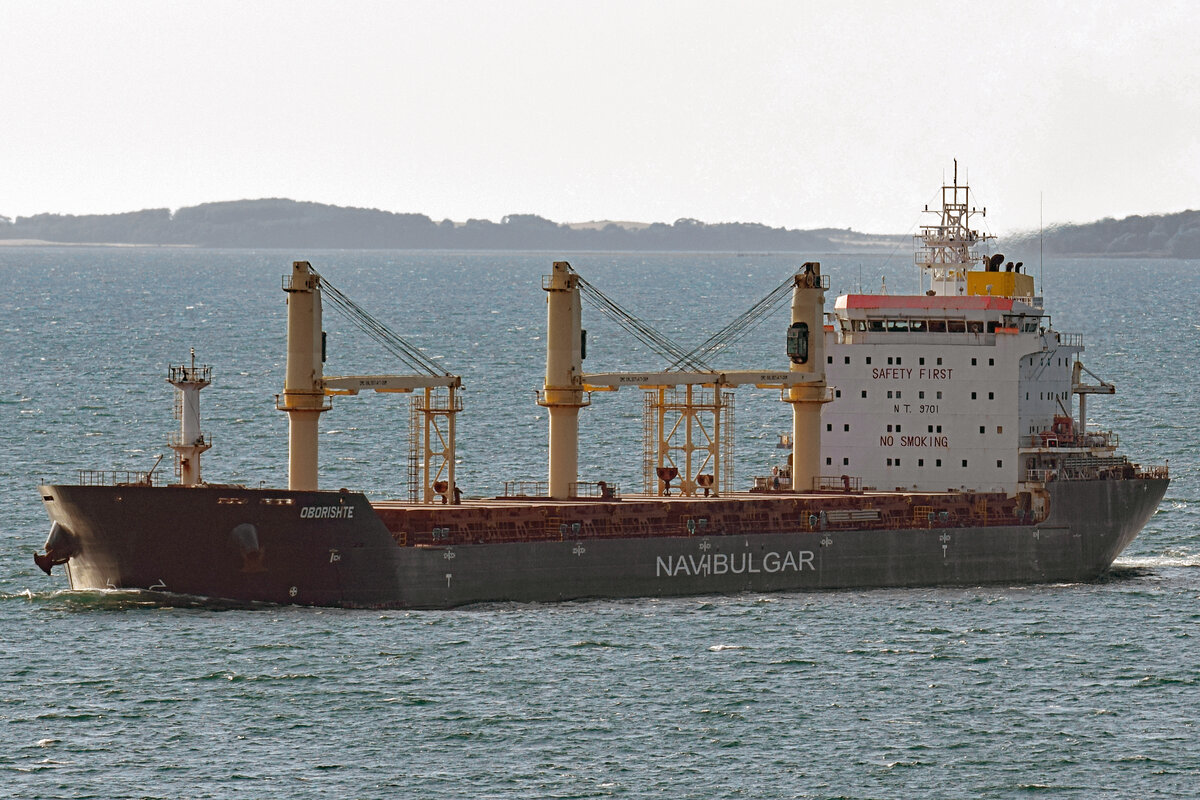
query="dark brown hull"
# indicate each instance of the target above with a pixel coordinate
(253, 545)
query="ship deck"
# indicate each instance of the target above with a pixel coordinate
(524, 519)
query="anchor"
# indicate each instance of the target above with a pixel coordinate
(60, 546)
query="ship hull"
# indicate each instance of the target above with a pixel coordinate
(251, 545)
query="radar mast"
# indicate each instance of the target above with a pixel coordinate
(946, 251)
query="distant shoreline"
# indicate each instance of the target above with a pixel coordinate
(280, 223)
(808, 253)
(46, 243)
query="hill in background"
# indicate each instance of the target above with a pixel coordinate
(282, 223)
(291, 224)
(1159, 236)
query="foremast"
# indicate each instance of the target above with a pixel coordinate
(190, 442)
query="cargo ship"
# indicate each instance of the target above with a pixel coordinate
(933, 443)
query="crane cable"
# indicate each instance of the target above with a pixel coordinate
(650, 337)
(749, 320)
(409, 354)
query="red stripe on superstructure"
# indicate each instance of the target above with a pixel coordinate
(966, 302)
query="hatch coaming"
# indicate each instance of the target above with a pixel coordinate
(499, 521)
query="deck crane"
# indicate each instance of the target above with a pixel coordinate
(568, 388)
(307, 389)
(1084, 389)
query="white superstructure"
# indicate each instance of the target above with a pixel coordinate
(966, 386)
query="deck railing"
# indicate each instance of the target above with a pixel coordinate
(600, 490)
(118, 477)
(526, 488)
(1098, 439)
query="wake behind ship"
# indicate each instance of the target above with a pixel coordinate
(932, 443)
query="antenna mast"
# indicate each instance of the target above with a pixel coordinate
(1041, 264)
(946, 250)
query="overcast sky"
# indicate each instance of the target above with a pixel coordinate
(800, 114)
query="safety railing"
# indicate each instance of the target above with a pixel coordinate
(118, 477)
(599, 490)
(526, 488)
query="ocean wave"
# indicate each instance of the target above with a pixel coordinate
(1168, 559)
(125, 600)
(597, 644)
(236, 677)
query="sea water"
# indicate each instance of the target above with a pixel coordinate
(1071, 691)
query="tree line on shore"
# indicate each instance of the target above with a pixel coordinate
(291, 224)
(281, 223)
